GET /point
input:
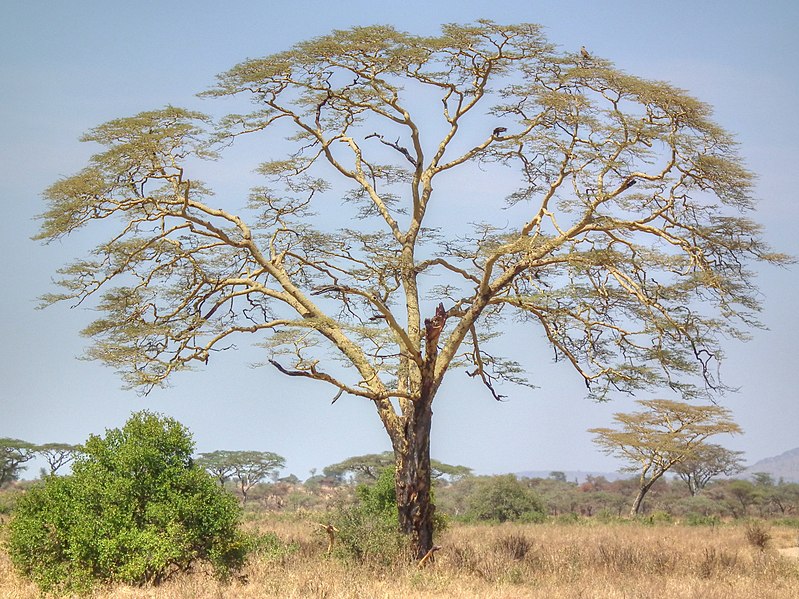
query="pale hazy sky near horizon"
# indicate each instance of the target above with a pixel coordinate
(68, 66)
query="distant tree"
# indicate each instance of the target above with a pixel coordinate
(246, 468)
(763, 479)
(454, 499)
(448, 473)
(504, 498)
(662, 435)
(135, 510)
(707, 462)
(784, 497)
(360, 468)
(57, 454)
(218, 463)
(559, 495)
(740, 496)
(558, 476)
(319, 481)
(369, 467)
(13, 455)
(361, 260)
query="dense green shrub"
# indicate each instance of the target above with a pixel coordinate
(380, 498)
(505, 498)
(369, 531)
(135, 510)
(271, 547)
(694, 519)
(367, 538)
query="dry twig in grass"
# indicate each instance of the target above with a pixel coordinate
(428, 557)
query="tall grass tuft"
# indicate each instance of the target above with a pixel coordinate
(757, 535)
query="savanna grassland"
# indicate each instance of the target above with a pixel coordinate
(553, 560)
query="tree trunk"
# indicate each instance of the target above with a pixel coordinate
(412, 448)
(413, 482)
(639, 499)
(642, 491)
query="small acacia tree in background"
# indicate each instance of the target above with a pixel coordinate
(369, 467)
(662, 435)
(136, 509)
(708, 461)
(246, 468)
(13, 455)
(57, 455)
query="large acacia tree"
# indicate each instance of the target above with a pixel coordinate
(624, 240)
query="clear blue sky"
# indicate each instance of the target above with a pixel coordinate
(68, 66)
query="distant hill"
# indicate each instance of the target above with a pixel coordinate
(784, 466)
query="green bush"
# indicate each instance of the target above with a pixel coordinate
(505, 499)
(269, 546)
(367, 538)
(659, 517)
(380, 498)
(369, 530)
(135, 510)
(694, 519)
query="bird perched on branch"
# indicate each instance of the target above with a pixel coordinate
(499, 131)
(584, 53)
(628, 183)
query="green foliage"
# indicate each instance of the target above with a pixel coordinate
(694, 519)
(270, 546)
(135, 510)
(504, 499)
(369, 531)
(380, 498)
(659, 517)
(366, 537)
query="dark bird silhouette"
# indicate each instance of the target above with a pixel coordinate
(628, 184)
(584, 53)
(499, 131)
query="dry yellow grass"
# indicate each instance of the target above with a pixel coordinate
(555, 561)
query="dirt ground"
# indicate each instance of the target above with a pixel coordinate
(790, 552)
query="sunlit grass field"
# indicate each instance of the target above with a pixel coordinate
(553, 561)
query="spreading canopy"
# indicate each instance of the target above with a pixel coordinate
(627, 240)
(414, 193)
(662, 435)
